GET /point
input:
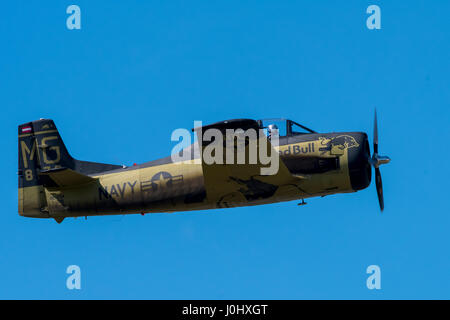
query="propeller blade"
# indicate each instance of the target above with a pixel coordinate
(375, 134)
(377, 160)
(379, 186)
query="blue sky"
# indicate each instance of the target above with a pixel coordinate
(136, 71)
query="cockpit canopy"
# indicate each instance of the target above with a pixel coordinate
(286, 127)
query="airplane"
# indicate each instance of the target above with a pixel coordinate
(52, 184)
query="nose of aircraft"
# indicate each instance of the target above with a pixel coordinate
(358, 162)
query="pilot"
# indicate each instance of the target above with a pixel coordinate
(270, 129)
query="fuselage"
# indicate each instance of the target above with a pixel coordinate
(320, 164)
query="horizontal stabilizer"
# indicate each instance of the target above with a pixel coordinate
(65, 177)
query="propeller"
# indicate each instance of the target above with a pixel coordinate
(376, 161)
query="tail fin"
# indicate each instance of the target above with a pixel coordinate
(41, 147)
(42, 150)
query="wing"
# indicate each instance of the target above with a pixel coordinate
(231, 182)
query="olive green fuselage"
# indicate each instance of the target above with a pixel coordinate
(320, 164)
